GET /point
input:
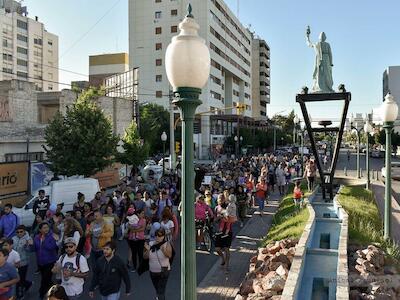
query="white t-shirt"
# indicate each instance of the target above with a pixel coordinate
(169, 228)
(157, 259)
(13, 257)
(73, 285)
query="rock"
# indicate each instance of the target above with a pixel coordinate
(255, 296)
(364, 252)
(276, 297)
(274, 265)
(239, 297)
(292, 251)
(282, 271)
(360, 269)
(253, 260)
(280, 258)
(258, 286)
(361, 254)
(275, 283)
(360, 261)
(252, 267)
(354, 295)
(375, 287)
(263, 269)
(274, 249)
(376, 258)
(262, 250)
(246, 287)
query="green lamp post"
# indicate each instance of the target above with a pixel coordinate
(367, 130)
(187, 63)
(389, 111)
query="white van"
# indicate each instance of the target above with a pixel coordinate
(61, 191)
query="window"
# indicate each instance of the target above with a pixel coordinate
(37, 53)
(50, 43)
(6, 43)
(38, 41)
(22, 62)
(22, 38)
(7, 57)
(174, 29)
(159, 62)
(158, 78)
(21, 24)
(157, 15)
(158, 46)
(22, 50)
(36, 65)
(215, 95)
(174, 12)
(7, 70)
(50, 52)
(158, 30)
(159, 94)
(22, 74)
(50, 87)
(158, 1)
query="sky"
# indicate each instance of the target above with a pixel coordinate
(364, 36)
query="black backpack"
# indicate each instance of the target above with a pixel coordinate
(77, 260)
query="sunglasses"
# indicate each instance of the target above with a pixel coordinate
(69, 246)
(20, 231)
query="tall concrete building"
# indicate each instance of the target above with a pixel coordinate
(391, 82)
(29, 51)
(153, 23)
(105, 65)
(261, 84)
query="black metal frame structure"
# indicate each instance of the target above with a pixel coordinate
(302, 99)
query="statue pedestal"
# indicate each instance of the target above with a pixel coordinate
(303, 99)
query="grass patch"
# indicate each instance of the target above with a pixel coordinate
(365, 224)
(289, 221)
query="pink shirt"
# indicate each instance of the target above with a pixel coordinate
(200, 211)
(140, 234)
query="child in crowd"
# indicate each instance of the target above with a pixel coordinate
(133, 221)
(230, 217)
(298, 194)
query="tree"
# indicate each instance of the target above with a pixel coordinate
(135, 151)
(154, 119)
(81, 142)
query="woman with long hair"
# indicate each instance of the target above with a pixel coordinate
(159, 253)
(57, 292)
(72, 228)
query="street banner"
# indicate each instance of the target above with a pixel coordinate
(13, 180)
(41, 175)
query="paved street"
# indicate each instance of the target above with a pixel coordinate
(142, 287)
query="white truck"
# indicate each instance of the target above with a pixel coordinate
(61, 191)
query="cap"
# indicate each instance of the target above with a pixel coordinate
(69, 240)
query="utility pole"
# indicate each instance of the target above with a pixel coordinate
(171, 132)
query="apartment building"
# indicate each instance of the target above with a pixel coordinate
(105, 65)
(391, 82)
(29, 51)
(153, 23)
(261, 85)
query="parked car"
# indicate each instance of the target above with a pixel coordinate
(395, 171)
(60, 191)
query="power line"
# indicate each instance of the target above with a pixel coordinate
(90, 29)
(53, 67)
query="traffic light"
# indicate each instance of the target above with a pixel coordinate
(177, 147)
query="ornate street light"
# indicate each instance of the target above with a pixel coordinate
(296, 122)
(358, 133)
(187, 62)
(367, 129)
(164, 138)
(388, 111)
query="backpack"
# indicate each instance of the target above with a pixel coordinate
(77, 260)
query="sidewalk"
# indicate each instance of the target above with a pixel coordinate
(378, 188)
(216, 284)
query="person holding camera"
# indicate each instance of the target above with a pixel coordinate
(159, 253)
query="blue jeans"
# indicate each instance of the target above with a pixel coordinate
(261, 203)
(114, 296)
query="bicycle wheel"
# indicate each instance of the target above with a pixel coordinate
(207, 240)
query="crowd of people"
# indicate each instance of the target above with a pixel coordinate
(80, 245)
